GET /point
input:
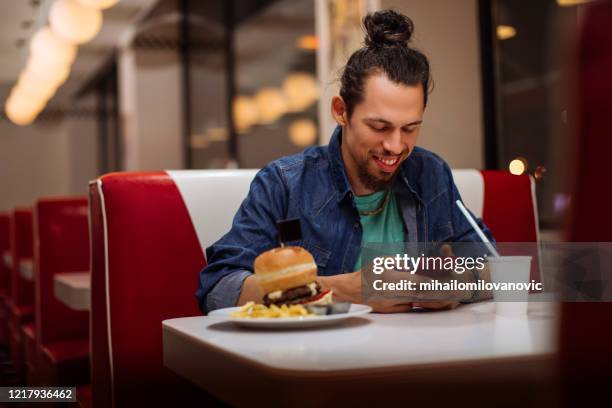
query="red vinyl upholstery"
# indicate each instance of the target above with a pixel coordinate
(22, 291)
(84, 396)
(61, 237)
(145, 262)
(65, 362)
(509, 207)
(586, 328)
(510, 212)
(5, 271)
(30, 354)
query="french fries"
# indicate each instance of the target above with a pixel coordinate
(253, 310)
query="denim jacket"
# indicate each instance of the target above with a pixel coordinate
(312, 186)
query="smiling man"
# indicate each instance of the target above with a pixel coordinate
(370, 184)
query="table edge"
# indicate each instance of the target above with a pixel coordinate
(546, 358)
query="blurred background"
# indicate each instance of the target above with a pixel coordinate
(198, 84)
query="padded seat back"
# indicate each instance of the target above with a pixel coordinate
(5, 248)
(4, 276)
(22, 290)
(145, 262)
(61, 237)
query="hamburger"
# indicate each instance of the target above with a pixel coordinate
(288, 276)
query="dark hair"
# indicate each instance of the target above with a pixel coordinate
(385, 51)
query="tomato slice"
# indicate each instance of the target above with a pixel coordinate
(315, 297)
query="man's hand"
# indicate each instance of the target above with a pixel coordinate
(450, 304)
(484, 274)
(445, 251)
(250, 292)
(347, 287)
(390, 306)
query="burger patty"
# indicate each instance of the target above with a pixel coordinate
(292, 296)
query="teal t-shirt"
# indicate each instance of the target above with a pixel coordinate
(386, 226)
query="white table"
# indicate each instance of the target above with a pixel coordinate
(26, 269)
(73, 289)
(374, 358)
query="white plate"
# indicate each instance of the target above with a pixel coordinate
(301, 322)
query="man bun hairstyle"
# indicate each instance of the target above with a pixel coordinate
(386, 50)
(387, 28)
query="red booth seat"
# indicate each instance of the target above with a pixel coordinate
(61, 236)
(510, 207)
(22, 291)
(4, 276)
(65, 363)
(30, 353)
(148, 234)
(84, 396)
(586, 328)
(145, 263)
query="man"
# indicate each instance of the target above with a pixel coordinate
(370, 184)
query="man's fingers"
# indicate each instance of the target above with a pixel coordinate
(437, 305)
(446, 250)
(392, 308)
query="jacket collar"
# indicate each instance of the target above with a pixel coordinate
(407, 176)
(337, 165)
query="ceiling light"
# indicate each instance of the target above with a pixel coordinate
(34, 87)
(48, 47)
(505, 32)
(271, 104)
(75, 22)
(39, 71)
(303, 132)
(301, 91)
(307, 42)
(518, 166)
(245, 112)
(20, 110)
(99, 4)
(538, 174)
(567, 3)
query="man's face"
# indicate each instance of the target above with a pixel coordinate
(381, 132)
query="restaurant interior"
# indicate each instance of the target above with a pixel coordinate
(130, 133)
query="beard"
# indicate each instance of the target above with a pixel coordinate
(374, 182)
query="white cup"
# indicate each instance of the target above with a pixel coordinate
(510, 269)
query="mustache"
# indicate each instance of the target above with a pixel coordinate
(387, 154)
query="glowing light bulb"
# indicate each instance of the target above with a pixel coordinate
(75, 22)
(303, 132)
(41, 72)
(22, 110)
(99, 4)
(301, 91)
(518, 166)
(505, 32)
(567, 3)
(307, 42)
(49, 47)
(246, 113)
(538, 174)
(271, 104)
